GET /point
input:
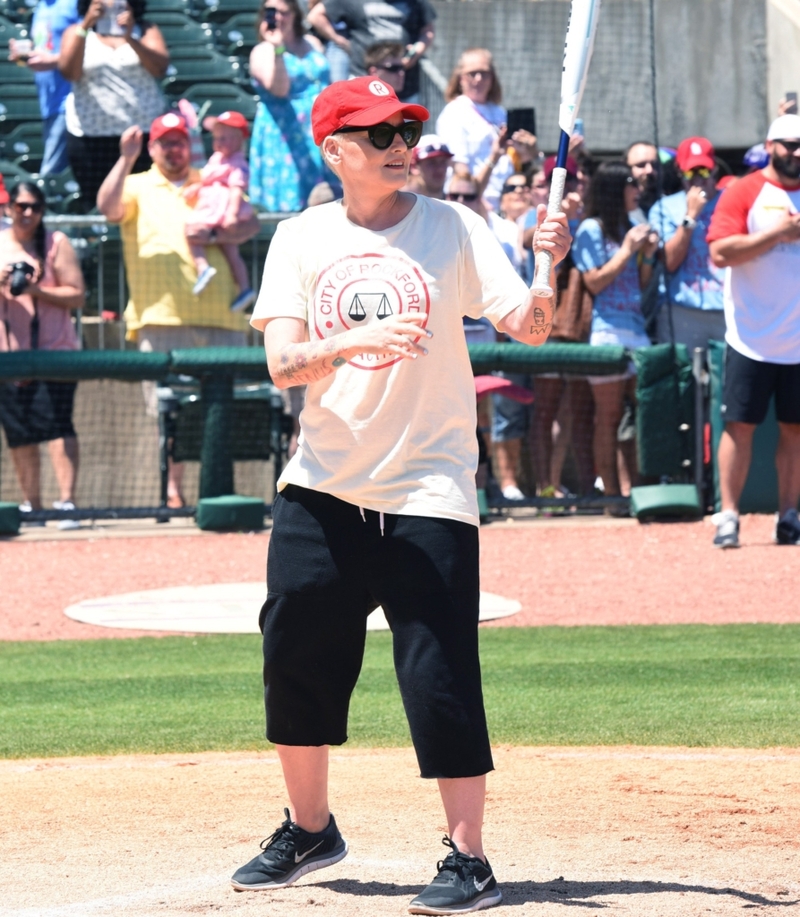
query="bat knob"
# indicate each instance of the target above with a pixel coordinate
(538, 288)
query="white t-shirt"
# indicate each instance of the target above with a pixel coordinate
(382, 432)
(761, 296)
(469, 128)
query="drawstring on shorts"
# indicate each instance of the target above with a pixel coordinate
(380, 518)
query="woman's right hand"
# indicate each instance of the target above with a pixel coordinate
(635, 238)
(391, 335)
(96, 9)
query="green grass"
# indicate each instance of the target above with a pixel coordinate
(733, 685)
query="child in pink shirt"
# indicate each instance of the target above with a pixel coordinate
(220, 202)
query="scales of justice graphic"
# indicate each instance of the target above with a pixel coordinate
(374, 302)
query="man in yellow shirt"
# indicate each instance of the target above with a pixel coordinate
(163, 313)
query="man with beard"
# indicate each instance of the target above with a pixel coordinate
(642, 157)
(755, 232)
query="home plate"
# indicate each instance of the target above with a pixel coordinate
(224, 608)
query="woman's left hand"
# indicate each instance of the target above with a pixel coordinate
(650, 246)
(524, 142)
(126, 21)
(552, 234)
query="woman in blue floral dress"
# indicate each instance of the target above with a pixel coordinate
(289, 71)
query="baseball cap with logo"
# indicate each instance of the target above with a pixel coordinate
(695, 153)
(787, 127)
(231, 118)
(166, 123)
(431, 146)
(361, 102)
(550, 164)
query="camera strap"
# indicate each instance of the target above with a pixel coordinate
(35, 326)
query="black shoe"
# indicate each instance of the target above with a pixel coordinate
(463, 884)
(787, 530)
(289, 854)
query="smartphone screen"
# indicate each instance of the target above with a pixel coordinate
(521, 119)
(270, 17)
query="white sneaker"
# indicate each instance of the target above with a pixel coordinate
(204, 278)
(66, 525)
(512, 492)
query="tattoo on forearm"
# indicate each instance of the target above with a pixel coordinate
(538, 316)
(540, 330)
(308, 362)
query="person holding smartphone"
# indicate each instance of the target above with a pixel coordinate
(114, 59)
(40, 54)
(289, 71)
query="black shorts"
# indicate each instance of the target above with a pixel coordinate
(749, 385)
(36, 412)
(327, 569)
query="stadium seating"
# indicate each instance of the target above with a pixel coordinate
(9, 30)
(24, 145)
(190, 65)
(11, 72)
(222, 10)
(223, 97)
(17, 10)
(18, 107)
(61, 192)
(237, 36)
(181, 31)
(167, 6)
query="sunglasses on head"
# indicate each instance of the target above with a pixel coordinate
(462, 198)
(701, 172)
(381, 135)
(792, 146)
(33, 206)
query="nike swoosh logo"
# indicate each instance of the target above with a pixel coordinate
(299, 857)
(481, 885)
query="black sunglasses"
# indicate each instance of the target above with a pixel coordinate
(462, 198)
(513, 189)
(22, 206)
(392, 68)
(792, 146)
(381, 135)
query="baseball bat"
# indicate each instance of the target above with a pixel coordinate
(578, 46)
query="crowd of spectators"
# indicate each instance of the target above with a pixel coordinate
(640, 270)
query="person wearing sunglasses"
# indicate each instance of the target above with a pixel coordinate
(691, 311)
(384, 59)
(40, 284)
(362, 300)
(755, 235)
(430, 163)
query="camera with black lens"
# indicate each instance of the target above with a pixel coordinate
(20, 276)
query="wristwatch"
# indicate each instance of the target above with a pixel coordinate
(689, 223)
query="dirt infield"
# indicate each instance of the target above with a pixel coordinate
(640, 832)
(566, 571)
(644, 832)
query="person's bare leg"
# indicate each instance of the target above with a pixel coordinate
(198, 253)
(733, 457)
(28, 467)
(607, 415)
(787, 463)
(463, 799)
(174, 483)
(65, 456)
(237, 266)
(305, 773)
(506, 456)
(548, 394)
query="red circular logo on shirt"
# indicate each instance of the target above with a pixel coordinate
(362, 289)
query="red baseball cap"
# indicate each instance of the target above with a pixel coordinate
(361, 102)
(166, 123)
(231, 118)
(695, 153)
(550, 164)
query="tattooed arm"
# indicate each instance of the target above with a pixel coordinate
(531, 322)
(294, 360)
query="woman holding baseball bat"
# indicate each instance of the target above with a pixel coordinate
(616, 259)
(362, 301)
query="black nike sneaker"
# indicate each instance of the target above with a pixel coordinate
(462, 885)
(289, 854)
